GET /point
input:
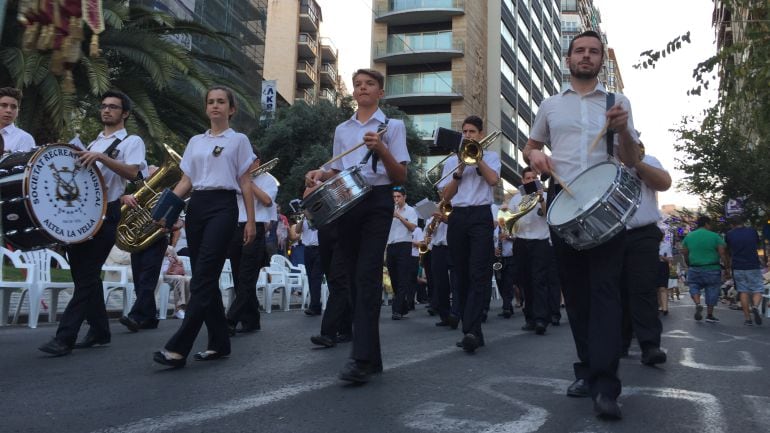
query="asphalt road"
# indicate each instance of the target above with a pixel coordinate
(715, 380)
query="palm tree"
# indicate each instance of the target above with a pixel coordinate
(140, 56)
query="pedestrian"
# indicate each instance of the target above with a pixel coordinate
(742, 243)
(702, 250)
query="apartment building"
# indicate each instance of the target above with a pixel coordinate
(447, 59)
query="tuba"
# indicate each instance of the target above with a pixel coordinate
(136, 230)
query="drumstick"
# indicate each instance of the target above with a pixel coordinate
(380, 132)
(562, 183)
(599, 137)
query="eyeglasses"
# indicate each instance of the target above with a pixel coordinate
(398, 188)
(110, 106)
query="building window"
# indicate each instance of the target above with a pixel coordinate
(523, 25)
(423, 82)
(507, 35)
(507, 71)
(536, 82)
(522, 124)
(536, 53)
(569, 5)
(523, 92)
(509, 5)
(427, 123)
(507, 109)
(536, 23)
(522, 58)
(420, 41)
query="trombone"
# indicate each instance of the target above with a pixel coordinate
(469, 154)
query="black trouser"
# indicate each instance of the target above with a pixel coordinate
(86, 260)
(505, 281)
(211, 219)
(639, 291)
(314, 275)
(245, 262)
(145, 267)
(399, 260)
(411, 291)
(439, 255)
(470, 237)
(533, 259)
(554, 289)
(425, 293)
(338, 315)
(363, 234)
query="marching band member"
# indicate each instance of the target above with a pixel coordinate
(120, 157)
(215, 166)
(590, 278)
(309, 238)
(639, 291)
(14, 138)
(399, 252)
(364, 228)
(470, 232)
(247, 259)
(439, 267)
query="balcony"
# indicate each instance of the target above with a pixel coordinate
(307, 46)
(328, 51)
(305, 95)
(328, 75)
(425, 88)
(308, 17)
(426, 124)
(405, 49)
(329, 95)
(306, 74)
(401, 12)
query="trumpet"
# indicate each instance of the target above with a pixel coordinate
(469, 154)
(264, 168)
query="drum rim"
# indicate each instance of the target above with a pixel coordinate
(33, 216)
(327, 182)
(593, 206)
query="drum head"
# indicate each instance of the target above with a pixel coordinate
(588, 189)
(66, 200)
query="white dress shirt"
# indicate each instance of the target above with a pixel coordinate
(129, 151)
(570, 122)
(208, 171)
(398, 231)
(507, 243)
(473, 189)
(351, 132)
(309, 235)
(648, 212)
(17, 139)
(439, 235)
(531, 225)
(262, 214)
(417, 236)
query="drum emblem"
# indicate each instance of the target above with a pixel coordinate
(66, 187)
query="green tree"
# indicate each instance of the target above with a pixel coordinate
(139, 57)
(302, 135)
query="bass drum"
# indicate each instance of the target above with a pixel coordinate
(47, 198)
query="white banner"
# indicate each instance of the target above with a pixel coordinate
(268, 95)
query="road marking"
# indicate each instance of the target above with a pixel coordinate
(678, 333)
(750, 365)
(759, 408)
(174, 420)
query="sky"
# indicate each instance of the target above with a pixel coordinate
(658, 96)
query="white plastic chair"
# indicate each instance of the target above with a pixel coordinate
(120, 282)
(296, 276)
(8, 287)
(277, 279)
(226, 284)
(42, 261)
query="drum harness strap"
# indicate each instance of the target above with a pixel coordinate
(111, 149)
(371, 153)
(610, 132)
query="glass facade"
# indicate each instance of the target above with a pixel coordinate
(420, 82)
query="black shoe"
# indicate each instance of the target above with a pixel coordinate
(160, 358)
(344, 338)
(607, 408)
(55, 348)
(757, 316)
(555, 322)
(529, 326)
(358, 372)
(246, 329)
(653, 356)
(442, 323)
(129, 323)
(431, 311)
(453, 321)
(323, 340)
(483, 317)
(90, 341)
(506, 314)
(231, 330)
(149, 324)
(309, 312)
(711, 319)
(209, 356)
(470, 343)
(540, 328)
(396, 316)
(698, 312)
(579, 388)
(459, 343)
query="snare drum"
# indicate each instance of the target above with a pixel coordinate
(605, 198)
(335, 197)
(46, 198)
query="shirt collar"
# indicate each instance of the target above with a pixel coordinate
(378, 115)
(599, 88)
(8, 129)
(227, 133)
(121, 134)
